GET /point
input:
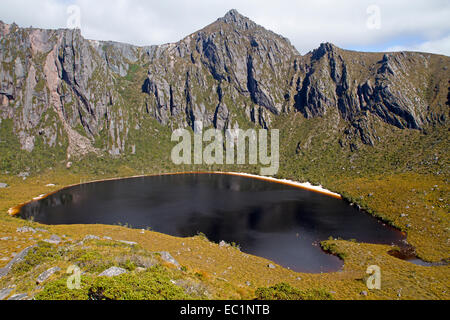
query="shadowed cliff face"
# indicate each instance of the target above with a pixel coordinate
(94, 96)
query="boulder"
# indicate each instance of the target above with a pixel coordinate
(223, 244)
(113, 272)
(54, 239)
(167, 257)
(130, 243)
(91, 237)
(23, 175)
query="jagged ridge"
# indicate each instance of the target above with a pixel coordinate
(57, 85)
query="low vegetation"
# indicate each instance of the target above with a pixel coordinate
(284, 291)
(404, 188)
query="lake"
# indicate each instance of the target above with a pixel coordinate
(276, 221)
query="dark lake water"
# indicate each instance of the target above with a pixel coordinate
(267, 219)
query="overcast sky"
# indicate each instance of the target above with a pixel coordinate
(418, 25)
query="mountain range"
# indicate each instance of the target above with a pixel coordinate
(62, 92)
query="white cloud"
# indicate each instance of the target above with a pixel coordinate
(306, 23)
(439, 46)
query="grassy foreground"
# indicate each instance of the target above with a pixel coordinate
(209, 271)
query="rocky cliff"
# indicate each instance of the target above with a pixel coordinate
(59, 90)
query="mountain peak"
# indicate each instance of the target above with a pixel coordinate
(233, 14)
(235, 18)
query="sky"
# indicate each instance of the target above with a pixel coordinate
(363, 25)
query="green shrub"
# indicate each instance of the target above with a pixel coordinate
(153, 284)
(333, 249)
(284, 291)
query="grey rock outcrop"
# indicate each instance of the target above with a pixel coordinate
(25, 229)
(17, 259)
(113, 272)
(20, 296)
(130, 243)
(166, 256)
(4, 293)
(91, 237)
(54, 239)
(47, 274)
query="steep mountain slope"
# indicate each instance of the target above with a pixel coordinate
(233, 65)
(79, 96)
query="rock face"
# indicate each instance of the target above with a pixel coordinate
(391, 87)
(234, 61)
(60, 91)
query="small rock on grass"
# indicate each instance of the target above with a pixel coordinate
(130, 243)
(54, 239)
(271, 266)
(3, 185)
(24, 175)
(91, 237)
(113, 272)
(25, 230)
(166, 256)
(223, 244)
